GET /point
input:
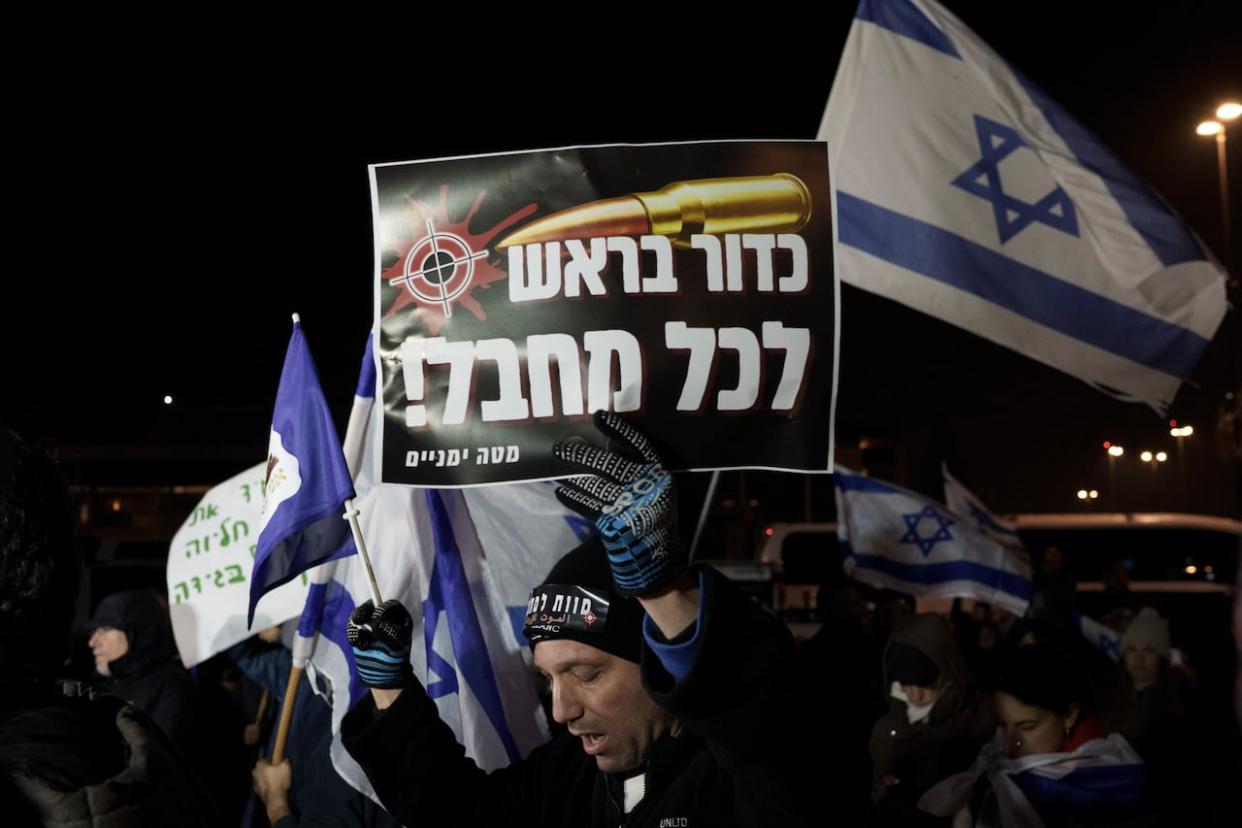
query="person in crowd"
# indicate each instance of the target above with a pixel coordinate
(1054, 585)
(1153, 708)
(304, 789)
(221, 757)
(935, 723)
(67, 757)
(840, 667)
(674, 686)
(131, 640)
(1118, 596)
(1049, 762)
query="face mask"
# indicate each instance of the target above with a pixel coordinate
(914, 713)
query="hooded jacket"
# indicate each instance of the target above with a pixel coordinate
(948, 739)
(148, 676)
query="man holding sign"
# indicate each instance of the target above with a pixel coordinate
(673, 686)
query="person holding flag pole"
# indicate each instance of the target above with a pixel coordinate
(308, 491)
(677, 690)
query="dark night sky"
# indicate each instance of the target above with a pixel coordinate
(180, 200)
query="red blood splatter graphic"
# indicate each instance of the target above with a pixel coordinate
(417, 214)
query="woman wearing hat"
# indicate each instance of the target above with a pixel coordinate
(1152, 707)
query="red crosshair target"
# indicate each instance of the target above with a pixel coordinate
(443, 263)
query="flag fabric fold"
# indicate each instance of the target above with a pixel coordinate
(1102, 637)
(463, 563)
(1102, 778)
(306, 481)
(962, 191)
(895, 539)
(964, 502)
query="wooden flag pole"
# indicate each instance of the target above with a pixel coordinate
(286, 715)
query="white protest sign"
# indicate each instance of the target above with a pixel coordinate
(209, 565)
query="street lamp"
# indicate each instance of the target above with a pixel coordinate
(1146, 456)
(1225, 112)
(1181, 433)
(1161, 457)
(1114, 451)
(1082, 494)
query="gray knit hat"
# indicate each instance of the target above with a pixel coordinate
(1148, 629)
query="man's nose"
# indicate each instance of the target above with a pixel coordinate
(565, 704)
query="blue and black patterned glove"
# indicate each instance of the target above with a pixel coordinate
(631, 498)
(380, 637)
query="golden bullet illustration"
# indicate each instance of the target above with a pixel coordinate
(778, 203)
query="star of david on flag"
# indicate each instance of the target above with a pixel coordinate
(962, 191)
(996, 143)
(926, 542)
(895, 539)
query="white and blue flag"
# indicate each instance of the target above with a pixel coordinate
(463, 562)
(966, 503)
(962, 191)
(1101, 780)
(895, 539)
(1103, 638)
(306, 481)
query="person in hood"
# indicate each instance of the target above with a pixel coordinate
(67, 758)
(935, 724)
(133, 648)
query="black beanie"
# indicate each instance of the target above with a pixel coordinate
(908, 665)
(577, 601)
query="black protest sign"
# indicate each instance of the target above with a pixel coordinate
(689, 287)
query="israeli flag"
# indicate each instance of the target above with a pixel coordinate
(1103, 638)
(1102, 779)
(306, 481)
(962, 191)
(895, 539)
(964, 502)
(463, 562)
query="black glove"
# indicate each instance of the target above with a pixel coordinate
(632, 500)
(380, 637)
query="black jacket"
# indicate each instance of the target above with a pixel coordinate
(91, 761)
(735, 762)
(149, 676)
